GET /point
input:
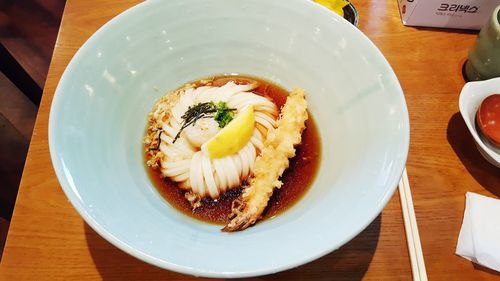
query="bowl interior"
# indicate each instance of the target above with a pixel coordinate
(99, 112)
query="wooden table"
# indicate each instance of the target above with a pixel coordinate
(49, 241)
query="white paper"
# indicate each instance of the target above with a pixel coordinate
(479, 239)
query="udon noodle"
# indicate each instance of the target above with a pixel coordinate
(183, 123)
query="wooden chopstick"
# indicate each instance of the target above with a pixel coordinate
(411, 229)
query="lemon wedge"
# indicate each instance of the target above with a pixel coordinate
(334, 5)
(233, 137)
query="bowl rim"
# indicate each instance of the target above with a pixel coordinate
(71, 192)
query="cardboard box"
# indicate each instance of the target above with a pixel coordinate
(462, 14)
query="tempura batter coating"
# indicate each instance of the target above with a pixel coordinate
(279, 147)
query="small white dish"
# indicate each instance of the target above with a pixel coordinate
(473, 93)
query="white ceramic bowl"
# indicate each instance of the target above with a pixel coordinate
(98, 119)
(473, 93)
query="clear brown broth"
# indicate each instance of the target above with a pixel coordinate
(297, 179)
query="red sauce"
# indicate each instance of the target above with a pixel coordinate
(488, 119)
(296, 179)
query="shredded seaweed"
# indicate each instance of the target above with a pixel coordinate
(220, 112)
(159, 142)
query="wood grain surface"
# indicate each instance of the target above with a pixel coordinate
(49, 241)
